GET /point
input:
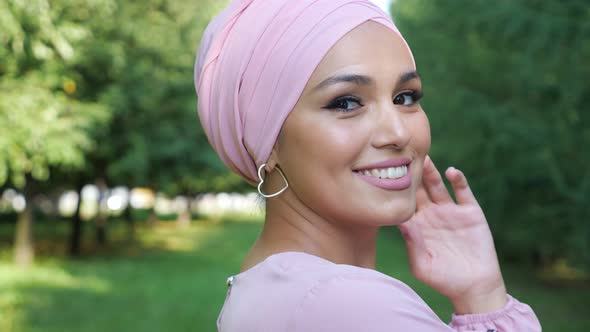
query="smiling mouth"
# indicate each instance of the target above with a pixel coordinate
(385, 173)
(388, 178)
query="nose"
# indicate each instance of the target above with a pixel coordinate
(390, 128)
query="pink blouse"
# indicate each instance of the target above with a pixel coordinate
(296, 292)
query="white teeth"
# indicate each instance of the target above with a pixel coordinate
(387, 173)
(391, 173)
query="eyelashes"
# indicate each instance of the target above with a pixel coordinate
(346, 104)
(414, 95)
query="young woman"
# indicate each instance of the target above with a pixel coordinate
(317, 103)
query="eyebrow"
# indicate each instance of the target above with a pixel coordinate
(363, 80)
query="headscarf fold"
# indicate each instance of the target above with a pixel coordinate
(254, 61)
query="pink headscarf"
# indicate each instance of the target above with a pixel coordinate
(253, 63)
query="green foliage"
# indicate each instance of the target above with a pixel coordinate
(140, 64)
(506, 87)
(42, 125)
(105, 87)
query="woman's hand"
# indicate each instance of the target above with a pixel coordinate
(450, 246)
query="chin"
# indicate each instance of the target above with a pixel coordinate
(396, 214)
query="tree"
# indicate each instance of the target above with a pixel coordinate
(113, 82)
(506, 90)
(141, 66)
(43, 124)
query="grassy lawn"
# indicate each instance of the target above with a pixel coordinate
(173, 279)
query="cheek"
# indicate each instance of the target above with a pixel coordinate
(323, 144)
(421, 141)
(318, 155)
(420, 128)
(337, 144)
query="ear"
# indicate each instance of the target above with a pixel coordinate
(273, 160)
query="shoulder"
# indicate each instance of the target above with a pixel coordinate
(363, 300)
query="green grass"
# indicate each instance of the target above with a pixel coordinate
(173, 279)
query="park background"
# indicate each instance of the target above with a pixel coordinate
(116, 215)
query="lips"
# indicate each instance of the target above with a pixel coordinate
(401, 183)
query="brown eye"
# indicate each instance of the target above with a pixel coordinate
(344, 104)
(407, 98)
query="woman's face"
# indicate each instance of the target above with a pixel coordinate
(356, 120)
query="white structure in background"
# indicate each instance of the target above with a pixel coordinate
(180, 204)
(90, 193)
(67, 204)
(117, 200)
(163, 205)
(113, 201)
(384, 4)
(19, 203)
(210, 204)
(166, 206)
(89, 206)
(142, 198)
(11, 199)
(228, 203)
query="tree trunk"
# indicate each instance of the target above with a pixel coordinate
(152, 218)
(130, 224)
(101, 230)
(76, 223)
(100, 221)
(24, 254)
(184, 217)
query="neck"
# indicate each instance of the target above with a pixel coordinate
(291, 226)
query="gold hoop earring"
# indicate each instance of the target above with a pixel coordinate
(262, 181)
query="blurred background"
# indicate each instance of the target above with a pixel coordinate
(116, 215)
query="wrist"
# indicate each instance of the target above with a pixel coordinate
(476, 303)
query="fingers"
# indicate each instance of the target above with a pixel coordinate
(434, 184)
(463, 192)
